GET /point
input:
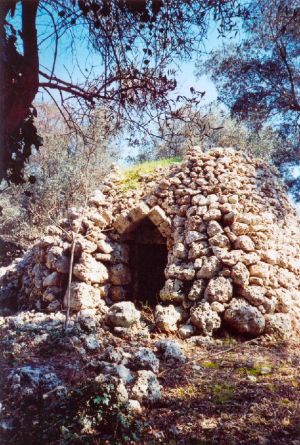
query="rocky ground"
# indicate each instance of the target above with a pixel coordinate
(89, 386)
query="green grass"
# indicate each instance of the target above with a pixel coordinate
(132, 175)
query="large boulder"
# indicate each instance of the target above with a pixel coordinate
(244, 318)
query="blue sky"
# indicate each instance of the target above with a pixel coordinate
(66, 62)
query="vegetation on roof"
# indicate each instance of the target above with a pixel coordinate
(132, 175)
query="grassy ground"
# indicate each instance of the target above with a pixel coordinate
(132, 175)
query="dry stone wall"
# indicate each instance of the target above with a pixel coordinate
(233, 243)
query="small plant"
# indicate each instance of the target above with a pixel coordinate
(89, 414)
(222, 393)
(209, 364)
(131, 176)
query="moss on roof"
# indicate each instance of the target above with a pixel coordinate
(131, 176)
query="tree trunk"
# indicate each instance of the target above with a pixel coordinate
(19, 75)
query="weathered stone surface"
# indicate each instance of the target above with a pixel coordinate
(214, 228)
(144, 358)
(84, 245)
(53, 279)
(89, 270)
(210, 267)
(240, 274)
(219, 289)
(146, 388)
(157, 215)
(138, 213)
(254, 294)
(62, 264)
(122, 224)
(244, 243)
(104, 246)
(213, 214)
(244, 318)
(205, 319)
(197, 290)
(192, 236)
(83, 296)
(279, 325)
(97, 199)
(184, 271)
(172, 291)
(170, 351)
(219, 240)
(167, 317)
(259, 269)
(123, 314)
(180, 251)
(186, 331)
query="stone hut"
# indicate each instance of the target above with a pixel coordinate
(210, 244)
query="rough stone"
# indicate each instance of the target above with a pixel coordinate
(83, 296)
(205, 319)
(146, 388)
(219, 289)
(167, 317)
(89, 270)
(210, 267)
(123, 314)
(197, 290)
(244, 243)
(170, 351)
(172, 291)
(279, 325)
(240, 274)
(144, 358)
(244, 318)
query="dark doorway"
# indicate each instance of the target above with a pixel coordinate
(149, 259)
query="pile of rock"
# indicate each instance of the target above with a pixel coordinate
(133, 370)
(233, 243)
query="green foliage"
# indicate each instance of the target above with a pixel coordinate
(213, 127)
(222, 393)
(89, 414)
(132, 175)
(209, 364)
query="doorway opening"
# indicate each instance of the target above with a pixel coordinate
(149, 258)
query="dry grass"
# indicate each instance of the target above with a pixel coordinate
(249, 395)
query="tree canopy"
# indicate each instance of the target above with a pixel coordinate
(258, 78)
(137, 42)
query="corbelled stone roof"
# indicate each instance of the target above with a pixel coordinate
(233, 243)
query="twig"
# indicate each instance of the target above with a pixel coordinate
(70, 281)
(200, 357)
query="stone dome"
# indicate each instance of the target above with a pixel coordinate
(213, 243)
